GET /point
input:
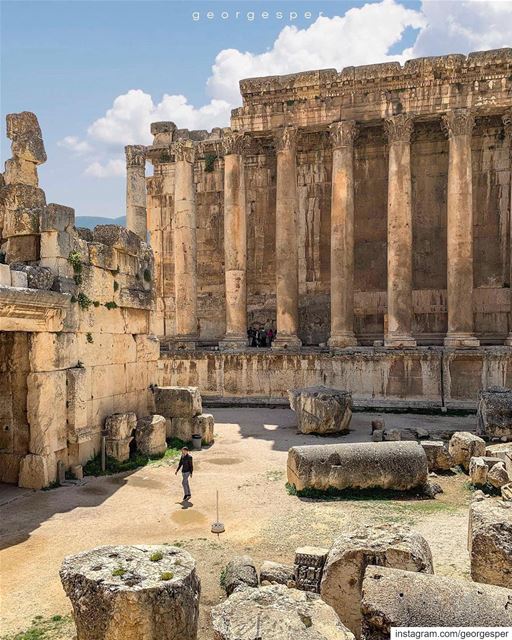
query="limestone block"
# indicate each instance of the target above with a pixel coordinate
(181, 428)
(19, 279)
(240, 572)
(321, 410)
(136, 376)
(10, 467)
(124, 349)
(58, 266)
(46, 411)
(495, 413)
(108, 380)
(26, 139)
(396, 598)
(103, 256)
(78, 471)
(135, 298)
(108, 320)
(22, 206)
(78, 381)
(438, 457)
(53, 351)
(506, 491)
(57, 217)
(178, 402)
(394, 546)
(5, 275)
(378, 435)
(20, 171)
(392, 435)
(99, 410)
(275, 612)
(37, 277)
(33, 472)
(120, 425)
(23, 249)
(56, 244)
(118, 449)
(148, 348)
(277, 573)
(498, 475)
(118, 237)
(150, 435)
(308, 567)
(62, 284)
(122, 592)
(97, 284)
(204, 425)
(503, 452)
(136, 321)
(490, 542)
(463, 446)
(385, 465)
(98, 352)
(478, 471)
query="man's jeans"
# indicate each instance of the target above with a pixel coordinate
(186, 486)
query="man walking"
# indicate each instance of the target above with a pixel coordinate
(187, 469)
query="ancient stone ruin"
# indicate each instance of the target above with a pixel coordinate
(183, 412)
(321, 410)
(495, 413)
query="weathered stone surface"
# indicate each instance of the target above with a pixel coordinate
(321, 410)
(463, 446)
(396, 598)
(495, 413)
(57, 217)
(391, 435)
(395, 546)
(276, 613)
(33, 472)
(308, 567)
(478, 470)
(277, 573)
(178, 402)
(503, 452)
(150, 435)
(378, 435)
(204, 425)
(438, 457)
(37, 277)
(506, 491)
(5, 275)
(118, 237)
(19, 279)
(185, 428)
(26, 139)
(119, 592)
(120, 425)
(240, 572)
(490, 542)
(498, 475)
(384, 465)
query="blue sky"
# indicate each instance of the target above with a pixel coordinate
(96, 72)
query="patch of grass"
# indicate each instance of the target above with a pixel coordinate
(156, 556)
(119, 572)
(371, 494)
(486, 488)
(222, 578)
(167, 575)
(45, 629)
(84, 302)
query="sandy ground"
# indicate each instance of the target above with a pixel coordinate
(247, 464)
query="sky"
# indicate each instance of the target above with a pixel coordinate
(98, 72)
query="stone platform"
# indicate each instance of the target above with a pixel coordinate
(423, 378)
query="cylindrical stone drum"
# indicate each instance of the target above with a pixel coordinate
(138, 592)
(366, 465)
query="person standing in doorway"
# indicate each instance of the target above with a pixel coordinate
(187, 469)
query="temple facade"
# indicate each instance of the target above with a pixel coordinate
(369, 206)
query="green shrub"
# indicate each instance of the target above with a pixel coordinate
(209, 162)
(111, 305)
(156, 556)
(84, 302)
(167, 575)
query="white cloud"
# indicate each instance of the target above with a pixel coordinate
(363, 35)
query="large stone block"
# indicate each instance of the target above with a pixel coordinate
(46, 411)
(463, 446)
(53, 351)
(150, 435)
(138, 592)
(321, 410)
(22, 205)
(308, 568)
(503, 452)
(37, 277)
(33, 472)
(276, 613)
(396, 598)
(239, 573)
(178, 402)
(395, 546)
(118, 237)
(276, 573)
(495, 413)
(78, 381)
(384, 465)
(57, 217)
(185, 428)
(148, 348)
(10, 467)
(490, 542)
(120, 425)
(23, 249)
(124, 349)
(103, 256)
(498, 476)
(26, 139)
(438, 457)
(118, 449)
(5, 275)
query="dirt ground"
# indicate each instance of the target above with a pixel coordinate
(247, 464)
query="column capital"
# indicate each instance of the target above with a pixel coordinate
(135, 155)
(458, 122)
(183, 150)
(399, 128)
(343, 133)
(285, 138)
(233, 143)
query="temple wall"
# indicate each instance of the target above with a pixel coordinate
(418, 378)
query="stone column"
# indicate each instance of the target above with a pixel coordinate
(287, 278)
(235, 243)
(184, 246)
(507, 121)
(343, 135)
(136, 190)
(459, 125)
(400, 310)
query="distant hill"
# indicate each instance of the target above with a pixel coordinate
(91, 221)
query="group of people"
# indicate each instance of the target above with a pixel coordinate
(262, 337)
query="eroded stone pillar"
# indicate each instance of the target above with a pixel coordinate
(400, 310)
(343, 135)
(184, 246)
(459, 125)
(235, 243)
(136, 219)
(287, 279)
(507, 121)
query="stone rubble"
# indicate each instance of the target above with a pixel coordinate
(321, 410)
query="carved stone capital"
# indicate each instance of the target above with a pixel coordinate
(507, 123)
(135, 155)
(399, 128)
(285, 138)
(459, 122)
(233, 143)
(343, 133)
(184, 150)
